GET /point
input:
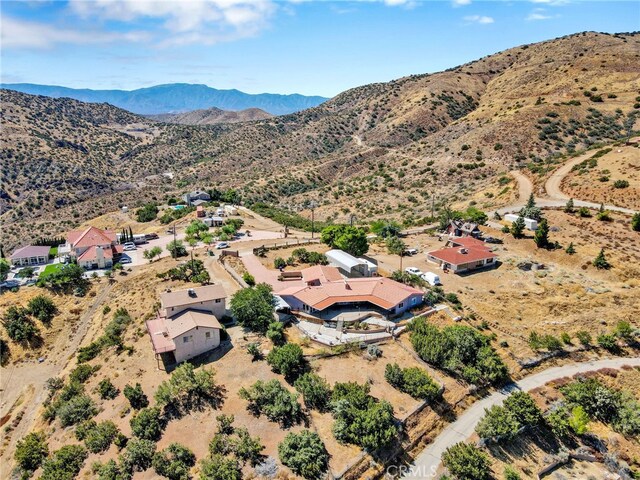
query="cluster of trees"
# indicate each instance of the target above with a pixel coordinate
(147, 213)
(227, 196)
(414, 381)
(253, 307)
(229, 229)
(151, 253)
(19, 324)
(301, 255)
(176, 248)
(190, 271)
(126, 235)
(502, 423)
(188, 389)
(459, 349)
(198, 231)
(286, 218)
(235, 441)
(274, 401)
(97, 437)
(68, 278)
(171, 214)
(467, 462)
(68, 402)
(352, 240)
(305, 454)
(112, 336)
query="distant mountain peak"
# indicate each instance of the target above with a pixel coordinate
(176, 98)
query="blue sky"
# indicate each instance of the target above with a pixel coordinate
(296, 46)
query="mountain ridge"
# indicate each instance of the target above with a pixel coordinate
(175, 98)
(211, 116)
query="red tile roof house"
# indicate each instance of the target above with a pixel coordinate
(30, 255)
(187, 324)
(464, 254)
(326, 289)
(93, 247)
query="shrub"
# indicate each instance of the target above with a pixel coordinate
(279, 263)
(272, 400)
(600, 262)
(249, 279)
(147, 213)
(287, 360)
(584, 212)
(414, 381)
(635, 222)
(135, 395)
(81, 373)
(97, 436)
(558, 421)
(67, 279)
(511, 474)
(360, 418)
(275, 333)
(107, 390)
(373, 350)
(253, 307)
(218, 467)
(77, 409)
(138, 455)
(523, 408)
(64, 464)
(315, 391)
(305, 454)
(620, 184)
(579, 420)
(498, 423)
(176, 248)
(31, 451)
(43, 308)
(584, 337)
(608, 341)
(245, 447)
(466, 462)
(147, 424)
(624, 330)
(174, 462)
(352, 240)
(188, 389)
(253, 349)
(19, 325)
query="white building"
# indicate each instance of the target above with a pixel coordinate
(188, 324)
(350, 265)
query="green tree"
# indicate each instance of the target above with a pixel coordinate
(77, 409)
(245, 447)
(476, 215)
(176, 248)
(523, 408)
(26, 272)
(67, 279)
(517, 227)
(196, 229)
(31, 451)
(287, 360)
(395, 246)
(579, 420)
(275, 333)
(174, 462)
(600, 262)
(188, 389)
(43, 308)
(152, 253)
(497, 423)
(147, 213)
(467, 462)
(19, 325)
(97, 436)
(571, 249)
(274, 401)
(64, 464)
(135, 395)
(541, 235)
(138, 456)
(558, 421)
(219, 467)
(385, 228)
(249, 279)
(569, 207)
(584, 337)
(253, 307)
(5, 268)
(352, 240)
(305, 454)
(107, 390)
(511, 474)
(530, 210)
(315, 391)
(147, 424)
(635, 222)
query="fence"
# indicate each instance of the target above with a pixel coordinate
(233, 273)
(278, 246)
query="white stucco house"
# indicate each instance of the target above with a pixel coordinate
(187, 324)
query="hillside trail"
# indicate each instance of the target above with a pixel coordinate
(429, 459)
(25, 384)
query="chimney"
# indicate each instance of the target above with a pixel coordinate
(463, 250)
(192, 292)
(99, 255)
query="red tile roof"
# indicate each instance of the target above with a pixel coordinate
(90, 237)
(92, 254)
(321, 273)
(380, 291)
(469, 242)
(461, 255)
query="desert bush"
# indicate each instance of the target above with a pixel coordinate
(64, 464)
(135, 395)
(174, 462)
(189, 389)
(305, 454)
(147, 424)
(315, 391)
(467, 462)
(274, 401)
(287, 360)
(107, 390)
(31, 451)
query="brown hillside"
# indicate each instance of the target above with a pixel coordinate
(211, 116)
(377, 150)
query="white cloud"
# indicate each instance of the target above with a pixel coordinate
(480, 19)
(539, 14)
(22, 34)
(460, 3)
(552, 3)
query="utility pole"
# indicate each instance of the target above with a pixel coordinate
(175, 246)
(312, 206)
(432, 200)
(351, 219)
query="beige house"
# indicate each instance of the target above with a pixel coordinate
(30, 255)
(187, 324)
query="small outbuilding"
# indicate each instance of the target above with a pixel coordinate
(30, 255)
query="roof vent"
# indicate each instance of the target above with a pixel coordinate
(464, 250)
(192, 292)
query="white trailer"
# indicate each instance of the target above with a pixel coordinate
(230, 210)
(348, 264)
(529, 223)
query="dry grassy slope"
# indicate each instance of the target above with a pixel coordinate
(211, 116)
(383, 149)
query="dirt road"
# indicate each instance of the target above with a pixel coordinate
(458, 431)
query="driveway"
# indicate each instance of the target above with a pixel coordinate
(428, 461)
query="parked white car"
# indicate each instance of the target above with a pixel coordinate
(410, 252)
(413, 271)
(129, 246)
(222, 245)
(431, 278)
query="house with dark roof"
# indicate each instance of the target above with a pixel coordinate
(461, 228)
(187, 323)
(197, 197)
(462, 255)
(30, 255)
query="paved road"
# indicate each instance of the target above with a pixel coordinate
(464, 426)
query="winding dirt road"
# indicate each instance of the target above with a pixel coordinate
(428, 461)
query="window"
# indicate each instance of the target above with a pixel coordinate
(401, 305)
(414, 300)
(207, 335)
(218, 300)
(185, 339)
